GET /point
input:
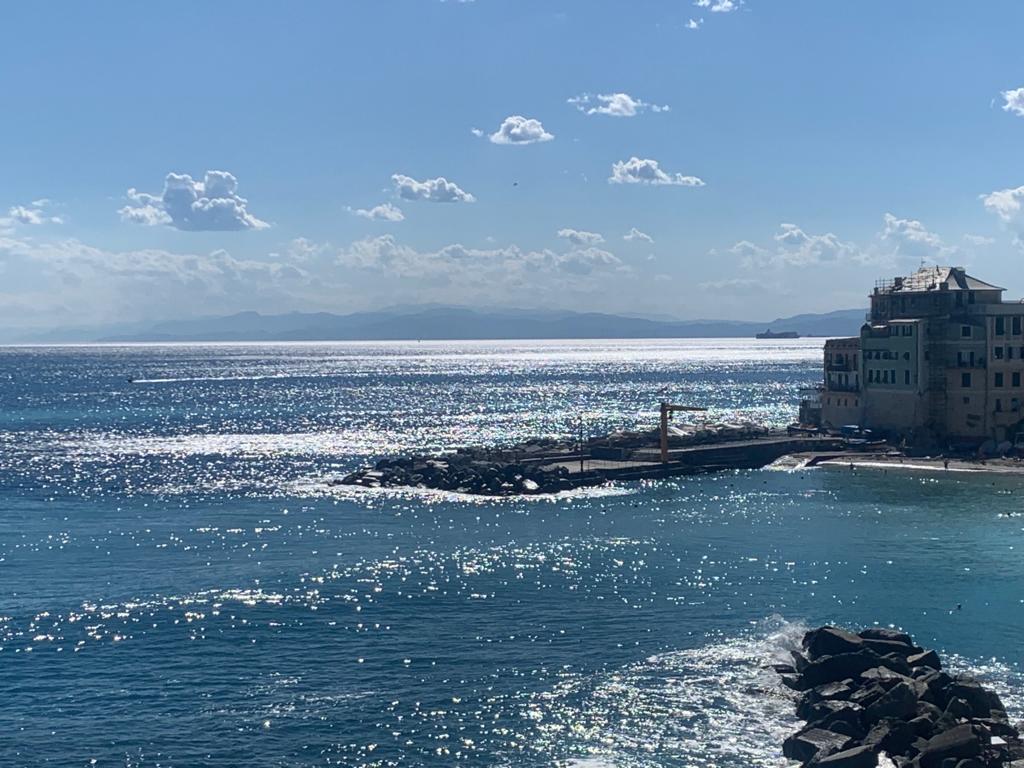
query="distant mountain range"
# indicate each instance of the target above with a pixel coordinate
(449, 323)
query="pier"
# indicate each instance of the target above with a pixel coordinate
(536, 468)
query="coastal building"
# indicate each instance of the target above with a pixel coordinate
(941, 357)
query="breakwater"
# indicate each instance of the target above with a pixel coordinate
(545, 466)
(876, 699)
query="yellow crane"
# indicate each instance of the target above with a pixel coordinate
(667, 409)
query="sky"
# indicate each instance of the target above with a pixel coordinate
(710, 159)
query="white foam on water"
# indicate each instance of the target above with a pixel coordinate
(311, 487)
(716, 706)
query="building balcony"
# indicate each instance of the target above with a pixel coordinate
(968, 364)
(834, 387)
(839, 367)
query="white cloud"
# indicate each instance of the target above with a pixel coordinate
(1008, 205)
(636, 234)
(637, 171)
(911, 239)
(694, 23)
(795, 247)
(33, 214)
(382, 212)
(212, 204)
(979, 239)
(516, 129)
(735, 285)
(1014, 101)
(719, 6)
(77, 284)
(477, 132)
(613, 104)
(510, 266)
(580, 238)
(438, 190)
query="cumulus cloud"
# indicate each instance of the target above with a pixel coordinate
(734, 285)
(719, 6)
(79, 284)
(33, 214)
(613, 104)
(1014, 101)
(71, 283)
(438, 190)
(636, 234)
(1008, 205)
(212, 204)
(793, 246)
(516, 129)
(694, 23)
(637, 171)
(382, 212)
(459, 263)
(913, 240)
(580, 238)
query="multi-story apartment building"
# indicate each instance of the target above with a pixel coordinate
(941, 356)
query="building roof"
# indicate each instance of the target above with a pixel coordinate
(937, 279)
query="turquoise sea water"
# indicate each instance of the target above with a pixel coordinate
(179, 587)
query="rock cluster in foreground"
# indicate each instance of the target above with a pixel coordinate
(874, 698)
(468, 471)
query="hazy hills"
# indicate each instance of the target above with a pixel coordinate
(447, 323)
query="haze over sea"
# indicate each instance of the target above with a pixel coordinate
(180, 587)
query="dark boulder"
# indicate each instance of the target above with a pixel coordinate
(856, 757)
(891, 736)
(883, 676)
(959, 742)
(829, 692)
(925, 659)
(900, 702)
(981, 700)
(938, 687)
(868, 693)
(813, 741)
(896, 663)
(882, 633)
(832, 669)
(831, 641)
(883, 647)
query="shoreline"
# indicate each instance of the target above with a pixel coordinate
(927, 464)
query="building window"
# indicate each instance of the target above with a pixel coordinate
(965, 331)
(999, 380)
(999, 405)
(906, 376)
(965, 380)
(1000, 326)
(998, 351)
(1016, 325)
(892, 375)
(967, 401)
(1015, 379)
(906, 355)
(970, 297)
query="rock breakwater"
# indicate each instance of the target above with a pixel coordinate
(874, 698)
(476, 471)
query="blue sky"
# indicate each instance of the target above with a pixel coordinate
(807, 149)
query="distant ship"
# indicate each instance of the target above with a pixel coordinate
(770, 334)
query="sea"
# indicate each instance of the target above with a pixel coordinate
(181, 585)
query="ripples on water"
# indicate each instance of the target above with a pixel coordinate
(178, 587)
